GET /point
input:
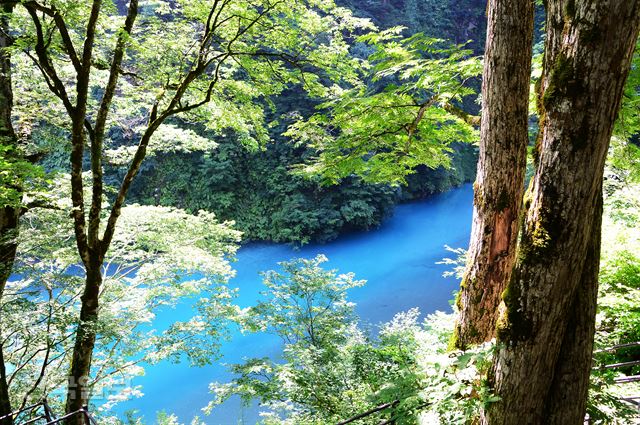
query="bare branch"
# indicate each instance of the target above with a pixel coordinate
(45, 361)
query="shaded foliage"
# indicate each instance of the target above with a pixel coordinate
(257, 191)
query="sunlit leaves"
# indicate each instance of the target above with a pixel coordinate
(404, 364)
(170, 139)
(624, 158)
(304, 303)
(383, 130)
(160, 258)
(16, 176)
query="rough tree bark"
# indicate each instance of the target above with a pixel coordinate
(567, 399)
(499, 184)
(9, 215)
(545, 332)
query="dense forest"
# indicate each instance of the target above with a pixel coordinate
(254, 187)
(146, 144)
(251, 184)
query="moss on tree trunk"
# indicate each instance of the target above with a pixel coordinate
(545, 333)
(501, 168)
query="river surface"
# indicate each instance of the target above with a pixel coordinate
(398, 260)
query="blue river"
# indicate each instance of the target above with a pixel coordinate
(398, 261)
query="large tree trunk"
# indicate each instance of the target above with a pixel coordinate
(567, 398)
(9, 214)
(78, 390)
(501, 168)
(545, 333)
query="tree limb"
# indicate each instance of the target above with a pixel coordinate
(100, 124)
(473, 120)
(62, 29)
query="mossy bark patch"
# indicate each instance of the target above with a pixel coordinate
(513, 326)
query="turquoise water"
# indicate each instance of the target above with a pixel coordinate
(398, 260)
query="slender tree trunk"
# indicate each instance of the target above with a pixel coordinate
(91, 247)
(501, 168)
(546, 329)
(78, 389)
(9, 214)
(5, 403)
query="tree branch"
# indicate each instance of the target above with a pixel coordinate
(44, 63)
(62, 29)
(100, 124)
(473, 120)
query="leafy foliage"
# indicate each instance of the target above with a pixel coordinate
(628, 123)
(161, 257)
(332, 369)
(304, 304)
(17, 175)
(384, 134)
(618, 319)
